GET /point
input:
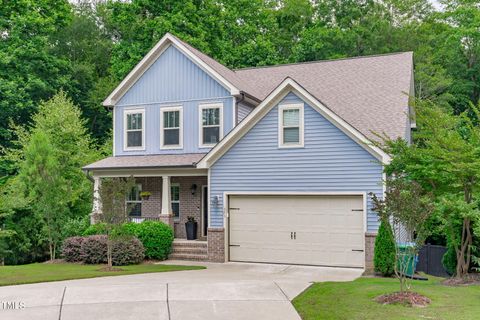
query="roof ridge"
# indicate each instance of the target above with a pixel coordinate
(323, 61)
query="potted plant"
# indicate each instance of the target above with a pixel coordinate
(191, 228)
(145, 195)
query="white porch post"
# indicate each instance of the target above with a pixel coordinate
(166, 199)
(97, 203)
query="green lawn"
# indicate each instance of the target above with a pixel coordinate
(354, 300)
(43, 272)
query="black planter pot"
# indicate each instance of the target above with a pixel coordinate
(191, 229)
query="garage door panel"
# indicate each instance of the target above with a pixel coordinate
(327, 229)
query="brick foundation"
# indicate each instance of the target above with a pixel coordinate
(216, 244)
(369, 251)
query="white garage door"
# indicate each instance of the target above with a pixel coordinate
(311, 230)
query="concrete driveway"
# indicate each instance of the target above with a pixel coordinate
(222, 291)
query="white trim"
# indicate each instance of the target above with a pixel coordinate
(201, 107)
(152, 172)
(125, 113)
(227, 194)
(289, 85)
(209, 201)
(180, 129)
(175, 184)
(151, 57)
(234, 108)
(202, 211)
(114, 143)
(301, 125)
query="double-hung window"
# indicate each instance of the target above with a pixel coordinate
(134, 201)
(290, 126)
(171, 128)
(175, 200)
(134, 124)
(211, 124)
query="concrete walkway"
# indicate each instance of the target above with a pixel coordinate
(222, 291)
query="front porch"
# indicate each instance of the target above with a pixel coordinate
(172, 200)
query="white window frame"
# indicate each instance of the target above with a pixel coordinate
(291, 106)
(175, 184)
(180, 128)
(200, 123)
(127, 201)
(126, 112)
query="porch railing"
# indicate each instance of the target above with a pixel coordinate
(141, 219)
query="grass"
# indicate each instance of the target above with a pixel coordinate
(46, 272)
(354, 300)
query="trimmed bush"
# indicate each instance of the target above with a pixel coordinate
(72, 249)
(94, 249)
(95, 229)
(156, 237)
(127, 250)
(384, 256)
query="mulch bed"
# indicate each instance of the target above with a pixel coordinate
(113, 269)
(411, 299)
(468, 280)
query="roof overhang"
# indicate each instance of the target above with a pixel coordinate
(287, 86)
(166, 41)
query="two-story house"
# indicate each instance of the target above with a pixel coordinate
(275, 163)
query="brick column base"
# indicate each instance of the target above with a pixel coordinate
(369, 252)
(167, 219)
(216, 244)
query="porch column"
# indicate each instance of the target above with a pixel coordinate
(166, 215)
(97, 203)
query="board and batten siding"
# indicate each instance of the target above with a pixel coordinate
(172, 80)
(330, 161)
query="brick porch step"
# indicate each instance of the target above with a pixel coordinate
(189, 250)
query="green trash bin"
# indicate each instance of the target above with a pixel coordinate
(407, 260)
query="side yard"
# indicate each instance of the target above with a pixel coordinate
(354, 300)
(45, 272)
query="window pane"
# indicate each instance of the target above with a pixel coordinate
(171, 137)
(171, 119)
(176, 209)
(135, 209)
(134, 194)
(211, 135)
(134, 121)
(291, 135)
(211, 117)
(291, 117)
(134, 139)
(175, 193)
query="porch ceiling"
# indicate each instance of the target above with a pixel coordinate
(164, 161)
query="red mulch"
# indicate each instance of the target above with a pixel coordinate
(468, 280)
(411, 299)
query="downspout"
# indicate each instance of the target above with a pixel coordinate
(87, 174)
(237, 101)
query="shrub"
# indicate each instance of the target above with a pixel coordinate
(72, 249)
(94, 229)
(94, 249)
(449, 260)
(127, 250)
(75, 226)
(157, 237)
(384, 256)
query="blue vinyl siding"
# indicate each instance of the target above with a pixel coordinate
(172, 80)
(330, 161)
(243, 110)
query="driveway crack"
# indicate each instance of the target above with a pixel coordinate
(168, 305)
(281, 291)
(61, 303)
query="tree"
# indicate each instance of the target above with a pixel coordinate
(384, 255)
(444, 160)
(114, 208)
(408, 207)
(40, 174)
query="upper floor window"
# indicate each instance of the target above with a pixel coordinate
(171, 128)
(134, 201)
(134, 124)
(290, 125)
(211, 124)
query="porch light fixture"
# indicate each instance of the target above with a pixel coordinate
(193, 189)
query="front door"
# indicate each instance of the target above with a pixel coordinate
(204, 210)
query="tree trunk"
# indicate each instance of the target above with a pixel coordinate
(464, 250)
(109, 253)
